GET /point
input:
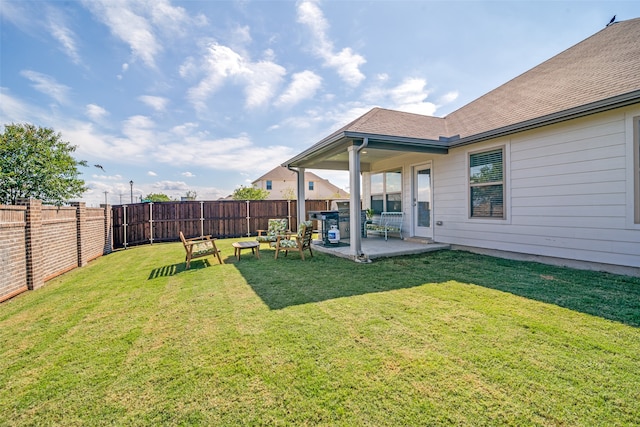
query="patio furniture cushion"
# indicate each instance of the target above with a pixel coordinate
(198, 247)
(276, 227)
(387, 222)
(299, 242)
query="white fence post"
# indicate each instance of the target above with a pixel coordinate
(201, 218)
(248, 219)
(124, 208)
(151, 222)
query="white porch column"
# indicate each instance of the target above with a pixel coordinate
(301, 211)
(355, 242)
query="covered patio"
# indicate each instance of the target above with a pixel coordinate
(375, 137)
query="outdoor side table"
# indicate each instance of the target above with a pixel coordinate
(239, 246)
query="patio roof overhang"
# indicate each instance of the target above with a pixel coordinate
(332, 152)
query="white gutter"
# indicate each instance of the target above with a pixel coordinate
(300, 205)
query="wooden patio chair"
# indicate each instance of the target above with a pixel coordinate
(277, 227)
(298, 242)
(199, 247)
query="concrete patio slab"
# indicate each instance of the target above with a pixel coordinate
(377, 247)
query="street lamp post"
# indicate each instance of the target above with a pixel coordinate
(131, 185)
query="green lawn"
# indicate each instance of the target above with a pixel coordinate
(446, 338)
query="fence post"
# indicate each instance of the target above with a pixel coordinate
(151, 222)
(201, 218)
(248, 220)
(124, 224)
(289, 214)
(33, 237)
(108, 233)
(81, 227)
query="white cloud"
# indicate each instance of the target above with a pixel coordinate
(448, 97)
(163, 186)
(325, 121)
(158, 103)
(95, 112)
(410, 96)
(117, 177)
(141, 134)
(303, 85)
(128, 26)
(66, 37)
(169, 19)
(151, 173)
(222, 64)
(125, 67)
(241, 36)
(231, 154)
(188, 175)
(90, 142)
(262, 82)
(14, 110)
(47, 85)
(346, 62)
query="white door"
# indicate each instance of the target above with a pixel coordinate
(422, 203)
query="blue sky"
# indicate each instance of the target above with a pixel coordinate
(206, 96)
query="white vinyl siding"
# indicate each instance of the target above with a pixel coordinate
(566, 194)
(636, 169)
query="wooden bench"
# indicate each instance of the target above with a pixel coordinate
(198, 247)
(387, 222)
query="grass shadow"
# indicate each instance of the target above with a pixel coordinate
(290, 281)
(173, 269)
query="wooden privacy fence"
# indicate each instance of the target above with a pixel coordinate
(142, 223)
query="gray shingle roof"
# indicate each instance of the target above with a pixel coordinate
(595, 73)
(603, 66)
(381, 121)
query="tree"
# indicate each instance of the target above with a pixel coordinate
(36, 163)
(191, 195)
(288, 193)
(157, 197)
(249, 193)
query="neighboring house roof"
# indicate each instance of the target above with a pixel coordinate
(597, 74)
(280, 173)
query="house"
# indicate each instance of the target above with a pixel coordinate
(281, 183)
(546, 166)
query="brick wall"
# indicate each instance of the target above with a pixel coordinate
(59, 240)
(13, 261)
(95, 233)
(40, 242)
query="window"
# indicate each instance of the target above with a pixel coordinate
(386, 191)
(486, 184)
(310, 185)
(636, 168)
(269, 185)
